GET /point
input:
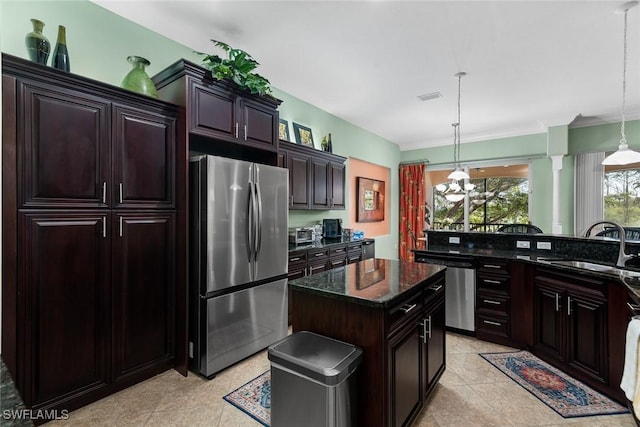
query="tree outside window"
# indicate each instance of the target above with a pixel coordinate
(622, 195)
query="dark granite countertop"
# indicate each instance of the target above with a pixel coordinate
(10, 402)
(325, 243)
(372, 282)
(629, 277)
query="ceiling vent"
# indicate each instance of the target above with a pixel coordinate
(428, 96)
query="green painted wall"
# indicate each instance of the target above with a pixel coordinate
(603, 137)
(99, 42)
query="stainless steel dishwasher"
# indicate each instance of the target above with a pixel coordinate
(460, 289)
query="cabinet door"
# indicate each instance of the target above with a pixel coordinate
(64, 265)
(259, 124)
(320, 181)
(64, 157)
(143, 159)
(405, 351)
(213, 113)
(337, 177)
(548, 321)
(434, 345)
(587, 334)
(298, 165)
(143, 282)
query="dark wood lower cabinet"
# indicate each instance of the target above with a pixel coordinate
(143, 272)
(405, 354)
(66, 276)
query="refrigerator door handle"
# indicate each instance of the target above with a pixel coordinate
(250, 229)
(259, 221)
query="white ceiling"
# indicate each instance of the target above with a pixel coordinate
(529, 64)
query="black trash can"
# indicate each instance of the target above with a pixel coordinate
(312, 381)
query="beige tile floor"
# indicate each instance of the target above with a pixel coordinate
(470, 393)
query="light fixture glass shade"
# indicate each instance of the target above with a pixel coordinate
(454, 197)
(441, 188)
(469, 186)
(622, 156)
(458, 174)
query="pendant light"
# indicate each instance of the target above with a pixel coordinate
(455, 192)
(624, 155)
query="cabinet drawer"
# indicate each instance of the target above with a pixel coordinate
(493, 302)
(493, 325)
(337, 250)
(494, 266)
(297, 269)
(354, 246)
(317, 253)
(405, 311)
(494, 283)
(354, 256)
(337, 261)
(298, 256)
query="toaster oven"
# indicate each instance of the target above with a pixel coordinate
(300, 235)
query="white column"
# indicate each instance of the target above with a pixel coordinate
(556, 166)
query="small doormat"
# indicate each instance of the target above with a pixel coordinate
(254, 398)
(565, 395)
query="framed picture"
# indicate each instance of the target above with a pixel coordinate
(283, 130)
(370, 200)
(303, 135)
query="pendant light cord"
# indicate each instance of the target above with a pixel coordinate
(457, 128)
(623, 139)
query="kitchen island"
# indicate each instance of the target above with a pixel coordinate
(394, 311)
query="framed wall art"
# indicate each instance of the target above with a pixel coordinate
(303, 135)
(283, 130)
(370, 200)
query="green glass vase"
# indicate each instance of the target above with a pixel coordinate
(137, 80)
(38, 46)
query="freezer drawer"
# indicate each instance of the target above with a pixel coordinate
(240, 324)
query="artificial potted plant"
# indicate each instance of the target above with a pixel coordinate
(238, 67)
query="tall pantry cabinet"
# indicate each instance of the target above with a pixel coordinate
(94, 196)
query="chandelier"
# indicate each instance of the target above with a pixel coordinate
(623, 155)
(455, 192)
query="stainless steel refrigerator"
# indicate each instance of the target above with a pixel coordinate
(237, 260)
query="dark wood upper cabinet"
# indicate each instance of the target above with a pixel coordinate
(221, 118)
(316, 178)
(66, 147)
(144, 159)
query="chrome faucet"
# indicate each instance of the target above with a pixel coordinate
(622, 255)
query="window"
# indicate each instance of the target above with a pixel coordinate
(622, 194)
(500, 196)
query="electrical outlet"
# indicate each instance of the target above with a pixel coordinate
(544, 245)
(523, 244)
(454, 240)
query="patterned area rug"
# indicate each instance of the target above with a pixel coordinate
(254, 398)
(565, 395)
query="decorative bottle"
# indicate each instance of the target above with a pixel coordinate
(329, 146)
(60, 59)
(324, 145)
(137, 79)
(38, 46)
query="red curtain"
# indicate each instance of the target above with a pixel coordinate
(412, 198)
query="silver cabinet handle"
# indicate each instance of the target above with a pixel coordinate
(491, 266)
(315, 268)
(120, 192)
(104, 226)
(407, 308)
(120, 226)
(319, 254)
(104, 192)
(336, 262)
(236, 130)
(633, 307)
(437, 288)
(488, 301)
(429, 331)
(245, 132)
(489, 322)
(495, 282)
(339, 250)
(568, 305)
(294, 259)
(557, 302)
